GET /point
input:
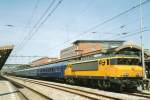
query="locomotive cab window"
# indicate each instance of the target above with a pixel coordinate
(124, 61)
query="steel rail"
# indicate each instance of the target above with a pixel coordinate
(80, 92)
(14, 82)
(139, 95)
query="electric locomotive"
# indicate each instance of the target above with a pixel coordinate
(119, 72)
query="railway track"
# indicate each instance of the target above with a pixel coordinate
(140, 94)
(80, 91)
(31, 91)
(24, 96)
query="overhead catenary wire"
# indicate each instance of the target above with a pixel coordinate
(40, 22)
(116, 16)
(121, 26)
(100, 24)
(132, 34)
(29, 20)
(26, 56)
(34, 26)
(39, 26)
(116, 34)
(33, 13)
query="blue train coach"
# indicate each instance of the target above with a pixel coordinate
(54, 70)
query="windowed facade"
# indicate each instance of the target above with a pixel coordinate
(80, 47)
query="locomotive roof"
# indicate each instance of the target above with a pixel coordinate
(119, 56)
(107, 57)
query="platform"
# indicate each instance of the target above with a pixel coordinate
(8, 91)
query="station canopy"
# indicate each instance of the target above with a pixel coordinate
(131, 49)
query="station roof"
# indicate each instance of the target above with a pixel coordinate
(93, 41)
(4, 54)
(6, 47)
(132, 47)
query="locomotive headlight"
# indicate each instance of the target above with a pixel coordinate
(139, 74)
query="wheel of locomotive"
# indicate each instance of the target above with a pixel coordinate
(92, 83)
(77, 81)
(106, 84)
(85, 82)
(117, 87)
(99, 84)
(121, 87)
(70, 80)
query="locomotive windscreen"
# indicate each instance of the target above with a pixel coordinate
(124, 61)
(93, 65)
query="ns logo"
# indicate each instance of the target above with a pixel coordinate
(102, 62)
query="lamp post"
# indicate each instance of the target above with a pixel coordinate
(141, 39)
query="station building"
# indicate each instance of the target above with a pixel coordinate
(85, 46)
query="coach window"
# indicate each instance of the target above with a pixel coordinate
(57, 69)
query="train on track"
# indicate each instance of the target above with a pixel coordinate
(112, 72)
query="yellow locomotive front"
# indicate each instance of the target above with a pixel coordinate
(122, 67)
(106, 72)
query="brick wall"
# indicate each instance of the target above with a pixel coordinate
(88, 47)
